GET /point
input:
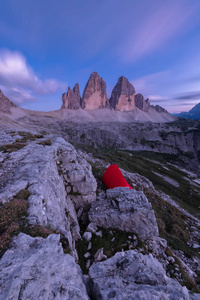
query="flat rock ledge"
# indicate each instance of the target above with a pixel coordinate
(37, 268)
(127, 210)
(132, 275)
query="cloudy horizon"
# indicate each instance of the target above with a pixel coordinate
(44, 48)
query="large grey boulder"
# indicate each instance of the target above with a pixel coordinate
(131, 275)
(94, 95)
(123, 95)
(127, 210)
(78, 178)
(40, 169)
(37, 268)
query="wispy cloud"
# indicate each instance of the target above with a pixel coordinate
(149, 84)
(157, 98)
(164, 22)
(19, 81)
(189, 96)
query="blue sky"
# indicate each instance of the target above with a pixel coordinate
(46, 45)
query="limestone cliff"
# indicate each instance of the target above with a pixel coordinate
(94, 95)
(141, 103)
(72, 99)
(5, 104)
(123, 95)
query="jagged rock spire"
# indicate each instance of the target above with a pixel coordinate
(94, 95)
(141, 103)
(72, 99)
(5, 104)
(123, 95)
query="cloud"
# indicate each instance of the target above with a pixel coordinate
(155, 29)
(151, 83)
(18, 80)
(157, 98)
(189, 96)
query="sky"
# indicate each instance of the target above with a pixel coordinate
(48, 45)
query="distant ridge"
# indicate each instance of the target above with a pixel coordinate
(94, 106)
(5, 104)
(193, 114)
(123, 97)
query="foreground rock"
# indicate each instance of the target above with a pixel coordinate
(132, 275)
(37, 268)
(39, 167)
(94, 95)
(127, 210)
(123, 95)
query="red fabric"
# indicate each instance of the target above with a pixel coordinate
(113, 178)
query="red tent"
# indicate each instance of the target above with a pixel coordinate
(113, 178)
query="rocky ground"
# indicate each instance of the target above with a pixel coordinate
(64, 236)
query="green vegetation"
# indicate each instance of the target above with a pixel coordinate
(171, 222)
(45, 143)
(20, 143)
(13, 220)
(147, 164)
(12, 147)
(186, 280)
(112, 241)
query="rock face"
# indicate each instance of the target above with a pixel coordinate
(72, 99)
(37, 268)
(78, 179)
(5, 104)
(76, 91)
(132, 275)
(159, 109)
(123, 95)
(127, 210)
(123, 98)
(38, 168)
(141, 103)
(194, 113)
(94, 95)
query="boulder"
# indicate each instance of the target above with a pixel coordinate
(126, 210)
(123, 95)
(37, 268)
(132, 275)
(94, 95)
(39, 169)
(79, 178)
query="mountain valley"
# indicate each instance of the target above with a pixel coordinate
(63, 235)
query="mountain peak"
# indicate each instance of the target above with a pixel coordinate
(123, 95)
(95, 95)
(5, 103)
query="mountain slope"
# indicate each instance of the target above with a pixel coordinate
(193, 114)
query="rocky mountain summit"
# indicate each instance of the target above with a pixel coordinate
(5, 104)
(193, 113)
(64, 236)
(123, 97)
(94, 95)
(72, 100)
